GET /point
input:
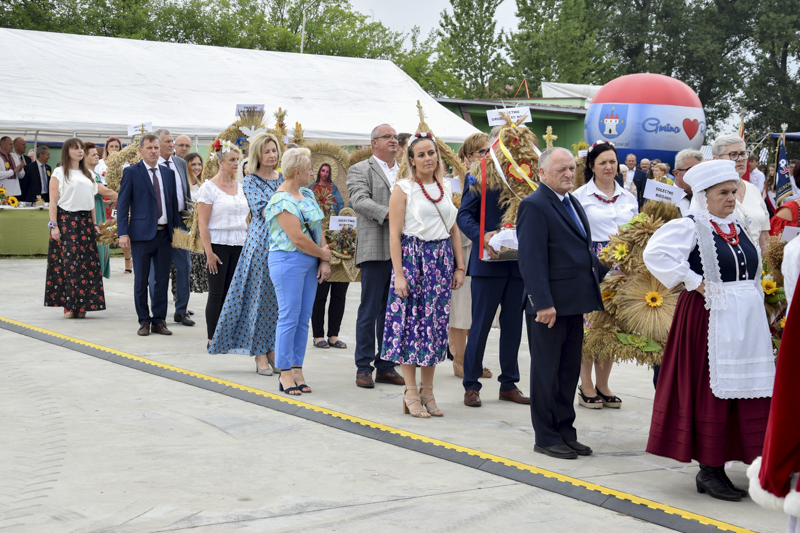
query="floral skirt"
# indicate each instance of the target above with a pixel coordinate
(198, 275)
(74, 275)
(416, 327)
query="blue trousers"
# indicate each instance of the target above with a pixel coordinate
(294, 275)
(183, 266)
(487, 294)
(375, 279)
(151, 266)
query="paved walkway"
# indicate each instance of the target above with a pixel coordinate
(131, 451)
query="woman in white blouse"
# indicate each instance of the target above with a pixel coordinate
(222, 218)
(74, 277)
(427, 261)
(607, 206)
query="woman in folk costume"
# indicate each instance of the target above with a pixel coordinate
(713, 396)
(425, 246)
(774, 476)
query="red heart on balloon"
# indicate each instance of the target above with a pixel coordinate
(691, 127)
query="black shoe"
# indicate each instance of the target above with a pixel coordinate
(559, 451)
(710, 480)
(183, 319)
(579, 448)
(741, 492)
(190, 313)
(449, 353)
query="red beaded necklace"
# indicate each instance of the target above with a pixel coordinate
(604, 200)
(731, 237)
(428, 196)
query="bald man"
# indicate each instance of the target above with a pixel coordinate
(183, 145)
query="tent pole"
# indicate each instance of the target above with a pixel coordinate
(35, 142)
(196, 144)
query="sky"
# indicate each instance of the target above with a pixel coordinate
(404, 15)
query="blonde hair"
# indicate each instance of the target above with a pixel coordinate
(473, 143)
(218, 156)
(663, 167)
(293, 160)
(257, 147)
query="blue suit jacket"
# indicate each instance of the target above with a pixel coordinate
(558, 266)
(137, 199)
(469, 221)
(640, 180)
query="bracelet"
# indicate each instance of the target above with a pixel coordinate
(461, 269)
(51, 224)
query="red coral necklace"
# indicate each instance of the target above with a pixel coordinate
(604, 200)
(428, 196)
(731, 237)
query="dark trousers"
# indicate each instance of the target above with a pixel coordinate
(338, 292)
(487, 294)
(375, 279)
(219, 283)
(555, 368)
(656, 370)
(158, 253)
(182, 261)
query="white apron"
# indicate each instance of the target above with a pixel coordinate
(740, 357)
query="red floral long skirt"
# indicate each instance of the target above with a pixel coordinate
(74, 276)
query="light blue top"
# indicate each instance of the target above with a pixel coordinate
(307, 210)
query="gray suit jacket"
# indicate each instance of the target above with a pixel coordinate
(369, 191)
(181, 165)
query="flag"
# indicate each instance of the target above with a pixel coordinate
(763, 158)
(783, 183)
(746, 176)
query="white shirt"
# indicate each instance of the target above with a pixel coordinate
(685, 204)
(791, 270)
(163, 218)
(572, 199)
(8, 178)
(757, 178)
(228, 221)
(178, 182)
(77, 194)
(605, 218)
(390, 172)
(17, 160)
(631, 175)
(422, 219)
(101, 170)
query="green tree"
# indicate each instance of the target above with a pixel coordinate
(430, 66)
(556, 42)
(471, 44)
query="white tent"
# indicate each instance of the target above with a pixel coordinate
(552, 89)
(59, 84)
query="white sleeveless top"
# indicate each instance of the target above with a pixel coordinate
(422, 220)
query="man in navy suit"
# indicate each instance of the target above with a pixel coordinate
(493, 283)
(37, 177)
(639, 178)
(147, 194)
(562, 282)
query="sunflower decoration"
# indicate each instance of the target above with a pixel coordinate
(12, 201)
(654, 299)
(607, 295)
(769, 285)
(620, 252)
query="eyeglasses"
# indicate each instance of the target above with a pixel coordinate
(679, 170)
(481, 153)
(733, 156)
(387, 136)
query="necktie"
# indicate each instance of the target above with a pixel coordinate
(157, 188)
(573, 214)
(44, 179)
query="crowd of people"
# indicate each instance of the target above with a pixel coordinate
(425, 291)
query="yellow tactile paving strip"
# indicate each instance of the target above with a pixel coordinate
(421, 438)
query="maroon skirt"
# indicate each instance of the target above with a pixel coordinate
(689, 422)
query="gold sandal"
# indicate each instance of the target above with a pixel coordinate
(410, 404)
(429, 401)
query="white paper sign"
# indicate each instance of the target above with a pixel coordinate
(790, 233)
(655, 190)
(246, 107)
(513, 112)
(583, 153)
(455, 185)
(113, 213)
(338, 223)
(136, 129)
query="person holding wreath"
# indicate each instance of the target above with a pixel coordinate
(425, 245)
(74, 277)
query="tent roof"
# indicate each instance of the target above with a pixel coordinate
(50, 86)
(569, 90)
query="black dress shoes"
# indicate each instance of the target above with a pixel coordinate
(559, 451)
(160, 328)
(183, 319)
(579, 448)
(712, 479)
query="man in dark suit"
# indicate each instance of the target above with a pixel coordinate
(180, 258)
(562, 282)
(37, 177)
(147, 195)
(639, 178)
(493, 284)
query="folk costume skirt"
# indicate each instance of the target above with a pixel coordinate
(74, 275)
(688, 421)
(416, 327)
